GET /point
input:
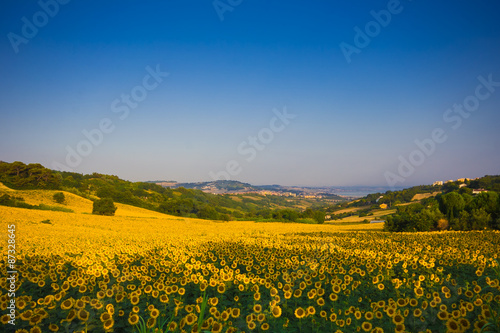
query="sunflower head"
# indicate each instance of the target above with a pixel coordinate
(108, 324)
(251, 325)
(300, 313)
(36, 329)
(83, 315)
(366, 326)
(276, 311)
(133, 319)
(235, 312)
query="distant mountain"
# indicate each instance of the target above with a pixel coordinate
(217, 187)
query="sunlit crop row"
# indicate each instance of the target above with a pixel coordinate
(103, 274)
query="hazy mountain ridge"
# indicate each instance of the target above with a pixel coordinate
(237, 187)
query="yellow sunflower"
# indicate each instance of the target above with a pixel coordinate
(300, 312)
(276, 311)
(366, 326)
(311, 310)
(235, 312)
(216, 327)
(108, 324)
(398, 319)
(36, 329)
(133, 319)
(191, 319)
(251, 325)
(134, 300)
(151, 322)
(67, 304)
(105, 316)
(83, 315)
(154, 313)
(172, 326)
(53, 328)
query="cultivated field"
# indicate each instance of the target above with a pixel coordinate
(377, 214)
(80, 272)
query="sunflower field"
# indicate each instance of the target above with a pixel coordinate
(84, 273)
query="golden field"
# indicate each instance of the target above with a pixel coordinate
(81, 272)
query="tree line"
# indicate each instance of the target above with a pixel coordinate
(455, 210)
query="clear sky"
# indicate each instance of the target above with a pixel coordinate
(266, 92)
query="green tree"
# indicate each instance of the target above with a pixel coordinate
(208, 212)
(451, 204)
(414, 217)
(6, 200)
(465, 190)
(290, 215)
(486, 200)
(450, 187)
(308, 213)
(104, 206)
(59, 197)
(480, 219)
(107, 191)
(477, 219)
(319, 216)
(462, 222)
(428, 219)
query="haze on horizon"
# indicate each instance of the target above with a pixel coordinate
(316, 94)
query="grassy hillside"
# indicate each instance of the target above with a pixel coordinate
(376, 214)
(421, 196)
(78, 204)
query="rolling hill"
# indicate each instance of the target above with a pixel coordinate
(180, 201)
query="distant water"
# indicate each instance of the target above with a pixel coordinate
(355, 194)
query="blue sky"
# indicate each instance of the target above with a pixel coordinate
(356, 117)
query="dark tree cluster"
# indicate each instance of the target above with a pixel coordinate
(18, 175)
(104, 206)
(455, 210)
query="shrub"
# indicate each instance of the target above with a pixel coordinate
(53, 208)
(442, 224)
(104, 206)
(319, 217)
(59, 197)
